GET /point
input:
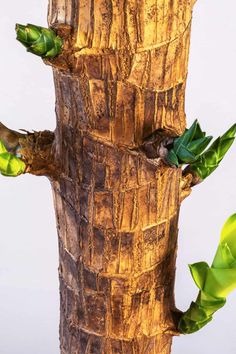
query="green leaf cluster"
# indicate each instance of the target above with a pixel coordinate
(210, 159)
(39, 40)
(10, 165)
(214, 282)
(191, 148)
(188, 147)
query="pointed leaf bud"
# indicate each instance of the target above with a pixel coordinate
(187, 148)
(10, 165)
(40, 41)
(211, 158)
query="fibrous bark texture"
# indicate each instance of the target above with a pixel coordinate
(117, 210)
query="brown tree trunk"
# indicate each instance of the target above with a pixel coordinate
(117, 210)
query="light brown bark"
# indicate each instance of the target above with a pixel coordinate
(123, 77)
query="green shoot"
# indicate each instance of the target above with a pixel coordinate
(211, 158)
(188, 147)
(214, 283)
(39, 40)
(10, 165)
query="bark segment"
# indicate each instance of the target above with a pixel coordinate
(117, 210)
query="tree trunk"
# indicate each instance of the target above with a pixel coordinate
(117, 210)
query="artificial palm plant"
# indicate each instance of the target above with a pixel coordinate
(120, 162)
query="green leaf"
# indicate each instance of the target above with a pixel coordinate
(223, 257)
(172, 158)
(4, 161)
(33, 33)
(38, 48)
(220, 282)
(187, 136)
(197, 313)
(193, 319)
(215, 282)
(199, 145)
(211, 158)
(186, 156)
(21, 34)
(230, 133)
(210, 303)
(199, 273)
(198, 132)
(39, 40)
(187, 148)
(224, 146)
(228, 234)
(10, 165)
(2, 147)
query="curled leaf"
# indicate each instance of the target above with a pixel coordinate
(214, 283)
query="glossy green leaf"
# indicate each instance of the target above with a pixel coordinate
(199, 272)
(190, 148)
(194, 319)
(211, 158)
(2, 147)
(220, 282)
(215, 282)
(22, 35)
(230, 133)
(10, 165)
(223, 257)
(186, 137)
(228, 234)
(210, 303)
(199, 145)
(185, 156)
(39, 40)
(198, 132)
(172, 158)
(187, 148)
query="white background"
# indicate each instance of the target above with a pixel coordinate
(29, 301)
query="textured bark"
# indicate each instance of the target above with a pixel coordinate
(117, 211)
(37, 151)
